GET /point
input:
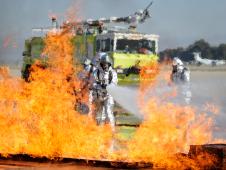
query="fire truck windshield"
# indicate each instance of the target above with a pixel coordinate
(142, 46)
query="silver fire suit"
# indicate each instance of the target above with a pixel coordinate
(181, 76)
(102, 100)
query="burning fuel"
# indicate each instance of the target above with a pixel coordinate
(39, 117)
(167, 128)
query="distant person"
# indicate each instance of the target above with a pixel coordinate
(126, 50)
(143, 49)
(180, 73)
(181, 76)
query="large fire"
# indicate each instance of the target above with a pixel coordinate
(39, 118)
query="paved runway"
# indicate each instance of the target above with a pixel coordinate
(206, 88)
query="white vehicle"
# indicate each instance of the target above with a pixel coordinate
(200, 60)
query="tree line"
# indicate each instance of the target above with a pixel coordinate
(186, 54)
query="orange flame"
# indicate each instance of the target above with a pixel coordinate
(38, 118)
(167, 129)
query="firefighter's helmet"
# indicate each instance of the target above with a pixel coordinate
(87, 61)
(105, 59)
(177, 62)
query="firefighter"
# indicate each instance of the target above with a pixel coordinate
(181, 75)
(85, 91)
(179, 72)
(87, 64)
(82, 94)
(104, 76)
(87, 77)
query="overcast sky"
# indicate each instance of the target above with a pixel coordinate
(178, 22)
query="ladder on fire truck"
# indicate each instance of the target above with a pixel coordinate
(83, 26)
